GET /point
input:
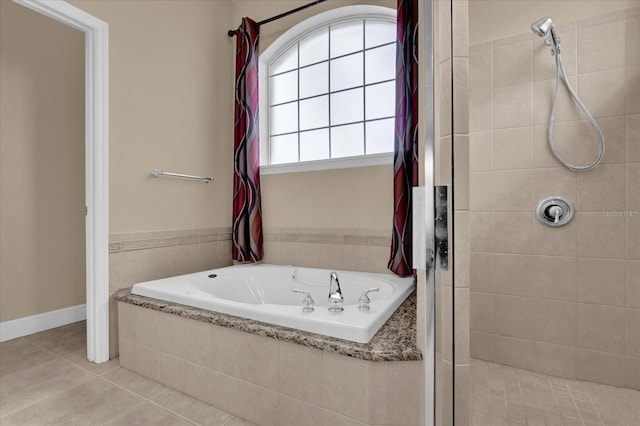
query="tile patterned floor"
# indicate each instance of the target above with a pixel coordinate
(46, 379)
(507, 396)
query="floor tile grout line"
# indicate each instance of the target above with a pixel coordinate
(151, 400)
(165, 390)
(595, 407)
(54, 394)
(163, 408)
(124, 413)
(90, 371)
(147, 400)
(95, 375)
(61, 357)
(592, 405)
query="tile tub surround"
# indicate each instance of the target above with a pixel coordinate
(395, 341)
(363, 250)
(271, 375)
(144, 256)
(557, 301)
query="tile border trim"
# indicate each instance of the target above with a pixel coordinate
(156, 239)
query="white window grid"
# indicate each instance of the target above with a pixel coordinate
(278, 47)
(329, 93)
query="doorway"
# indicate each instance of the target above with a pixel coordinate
(96, 167)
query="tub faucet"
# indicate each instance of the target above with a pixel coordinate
(335, 294)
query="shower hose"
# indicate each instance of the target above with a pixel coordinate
(560, 72)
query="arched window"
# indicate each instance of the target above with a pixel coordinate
(327, 95)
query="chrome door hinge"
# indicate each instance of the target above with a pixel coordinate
(441, 198)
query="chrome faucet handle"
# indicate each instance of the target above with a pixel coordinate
(307, 302)
(364, 299)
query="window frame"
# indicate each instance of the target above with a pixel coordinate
(278, 47)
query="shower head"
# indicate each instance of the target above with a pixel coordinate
(542, 26)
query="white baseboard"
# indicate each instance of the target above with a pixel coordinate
(35, 323)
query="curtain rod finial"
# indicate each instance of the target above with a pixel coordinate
(231, 33)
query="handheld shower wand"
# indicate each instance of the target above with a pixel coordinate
(544, 28)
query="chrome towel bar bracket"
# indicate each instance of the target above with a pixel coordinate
(157, 173)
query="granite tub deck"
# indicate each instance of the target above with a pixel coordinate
(395, 341)
(272, 375)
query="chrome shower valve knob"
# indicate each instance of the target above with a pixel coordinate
(554, 211)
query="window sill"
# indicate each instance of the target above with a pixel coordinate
(331, 164)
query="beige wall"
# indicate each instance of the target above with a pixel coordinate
(559, 301)
(41, 164)
(493, 19)
(171, 108)
(346, 198)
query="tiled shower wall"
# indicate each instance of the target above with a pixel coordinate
(144, 256)
(563, 301)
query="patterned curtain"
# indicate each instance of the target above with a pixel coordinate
(405, 159)
(247, 214)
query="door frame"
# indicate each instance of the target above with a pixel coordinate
(96, 165)
(428, 257)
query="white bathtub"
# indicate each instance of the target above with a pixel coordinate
(263, 293)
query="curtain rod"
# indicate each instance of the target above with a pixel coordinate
(231, 33)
